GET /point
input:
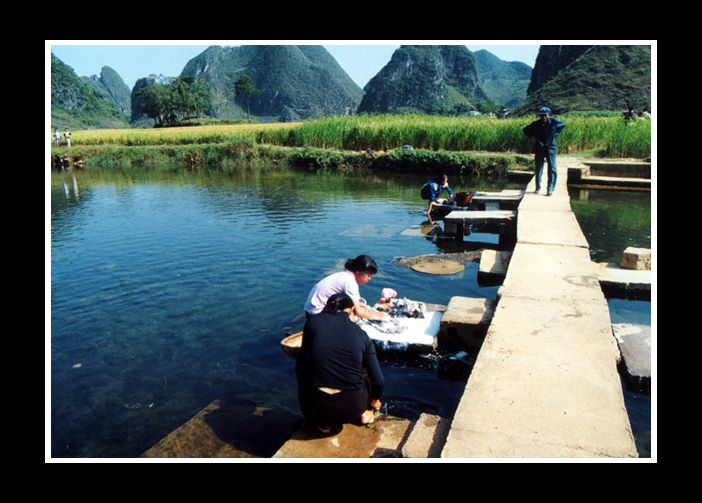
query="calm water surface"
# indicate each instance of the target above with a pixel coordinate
(171, 290)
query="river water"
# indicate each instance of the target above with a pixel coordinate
(172, 289)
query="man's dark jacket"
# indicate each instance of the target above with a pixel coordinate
(544, 133)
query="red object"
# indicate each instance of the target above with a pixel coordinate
(463, 198)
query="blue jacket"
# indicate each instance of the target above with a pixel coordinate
(544, 133)
(431, 190)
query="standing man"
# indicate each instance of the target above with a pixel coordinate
(544, 132)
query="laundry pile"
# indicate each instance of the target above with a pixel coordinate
(399, 308)
(405, 307)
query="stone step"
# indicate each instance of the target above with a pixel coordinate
(228, 429)
(585, 176)
(382, 439)
(619, 169)
(465, 323)
(481, 217)
(427, 437)
(240, 430)
(493, 267)
(506, 200)
(503, 222)
(619, 283)
(634, 343)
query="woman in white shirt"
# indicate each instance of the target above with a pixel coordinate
(356, 272)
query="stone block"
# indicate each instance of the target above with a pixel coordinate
(465, 323)
(493, 267)
(427, 437)
(634, 343)
(638, 259)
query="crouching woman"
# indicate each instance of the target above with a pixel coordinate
(331, 389)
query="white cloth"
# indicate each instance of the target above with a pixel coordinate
(343, 281)
(408, 331)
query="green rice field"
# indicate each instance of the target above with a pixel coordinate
(610, 135)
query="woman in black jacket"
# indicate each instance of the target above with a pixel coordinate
(331, 389)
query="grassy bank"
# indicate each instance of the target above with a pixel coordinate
(460, 145)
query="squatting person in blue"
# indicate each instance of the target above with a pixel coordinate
(544, 131)
(433, 189)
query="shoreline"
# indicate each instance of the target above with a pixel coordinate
(209, 156)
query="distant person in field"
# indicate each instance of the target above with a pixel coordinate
(629, 115)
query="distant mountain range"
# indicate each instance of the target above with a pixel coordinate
(302, 82)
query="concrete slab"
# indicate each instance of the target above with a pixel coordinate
(610, 181)
(382, 439)
(456, 221)
(493, 267)
(603, 174)
(465, 323)
(635, 346)
(619, 283)
(545, 384)
(480, 217)
(505, 200)
(535, 271)
(380, 231)
(619, 169)
(427, 438)
(226, 429)
(550, 227)
(542, 202)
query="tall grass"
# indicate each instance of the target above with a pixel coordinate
(386, 132)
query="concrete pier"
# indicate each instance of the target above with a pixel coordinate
(625, 174)
(545, 383)
(456, 223)
(505, 200)
(493, 267)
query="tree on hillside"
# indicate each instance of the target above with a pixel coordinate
(173, 100)
(189, 98)
(244, 87)
(152, 100)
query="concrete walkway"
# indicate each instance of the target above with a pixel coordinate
(545, 383)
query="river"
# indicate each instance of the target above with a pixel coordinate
(171, 289)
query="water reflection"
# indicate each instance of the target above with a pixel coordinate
(612, 220)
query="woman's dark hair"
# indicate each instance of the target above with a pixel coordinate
(362, 263)
(338, 302)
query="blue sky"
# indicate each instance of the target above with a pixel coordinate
(136, 59)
